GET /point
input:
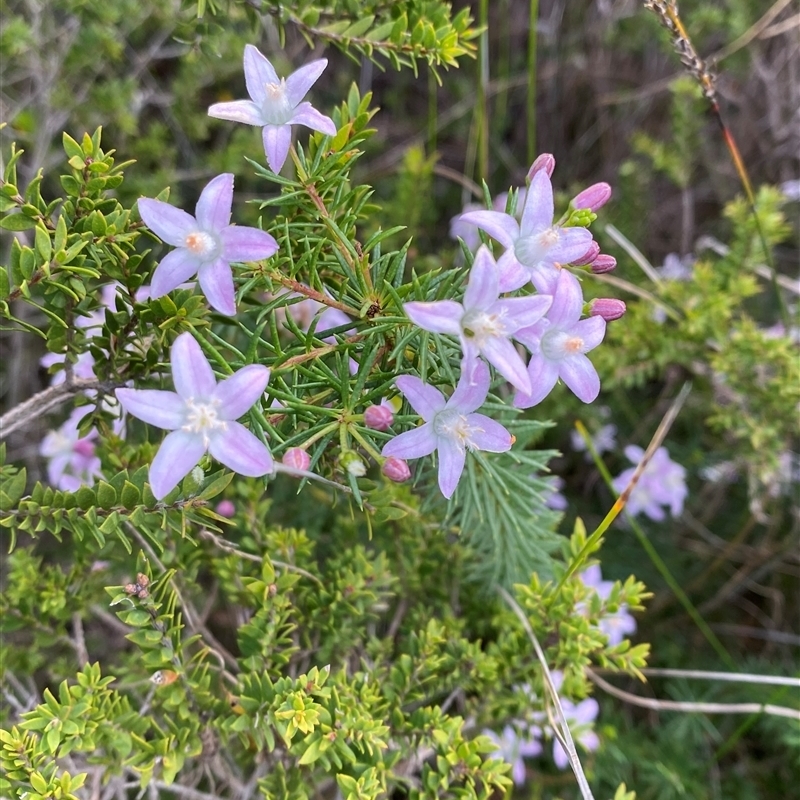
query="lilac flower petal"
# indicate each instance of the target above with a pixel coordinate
(586, 711)
(544, 277)
(522, 312)
(277, 141)
(572, 244)
(498, 225)
(242, 390)
(174, 269)
(154, 406)
(537, 213)
(245, 111)
(591, 330)
(241, 451)
(213, 209)
(439, 316)
(56, 467)
(518, 772)
(179, 453)
(560, 755)
(503, 356)
(451, 465)
(530, 749)
(258, 72)
(300, 81)
(634, 453)
(306, 114)
(512, 274)
(543, 375)
(593, 576)
(473, 386)
(216, 281)
(424, 399)
(482, 289)
(416, 443)
(486, 434)
(170, 224)
(191, 373)
(567, 301)
(246, 244)
(580, 376)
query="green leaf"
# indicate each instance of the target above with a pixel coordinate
(130, 495)
(106, 495)
(71, 147)
(17, 222)
(43, 244)
(12, 490)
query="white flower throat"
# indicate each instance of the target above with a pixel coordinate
(452, 425)
(530, 250)
(277, 110)
(480, 326)
(202, 244)
(557, 344)
(203, 418)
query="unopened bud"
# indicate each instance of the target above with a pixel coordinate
(296, 458)
(593, 197)
(353, 464)
(603, 263)
(609, 308)
(395, 469)
(378, 418)
(589, 256)
(226, 508)
(546, 162)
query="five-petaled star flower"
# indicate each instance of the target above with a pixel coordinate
(275, 104)
(662, 483)
(533, 245)
(484, 323)
(558, 343)
(450, 426)
(205, 244)
(201, 417)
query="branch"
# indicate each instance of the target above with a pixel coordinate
(32, 408)
(691, 707)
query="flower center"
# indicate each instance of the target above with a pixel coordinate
(531, 250)
(83, 447)
(276, 110)
(560, 344)
(203, 419)
(202, 244)
(452, 425)
(480, 326)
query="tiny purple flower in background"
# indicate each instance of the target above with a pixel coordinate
(226, 508)
(512, 748)
(534, 245)
(275, 104)
(83, 368)
(379, 418)
(450, 426)
(603, 441)
(396, 469)
(296, 458)
(615, 625)
(578, 716)
(555, 500)
(206, 244)
(558, 344)
(676, 268)
(464, 230)
(72, 462)
(484, 323)
(200, 416)
(662, 483)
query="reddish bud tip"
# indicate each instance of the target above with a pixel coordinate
(593, 197)
(395, 469)
(589, 256)
(609, 308)
(546, 162)
(296, 458)
(378, 418)
(226, 508)
(603, 263)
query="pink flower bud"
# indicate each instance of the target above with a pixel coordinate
(296, 458)
(603, 263)
(378, 418)
(609, 308)
(589, 256)
(593, 197)
(395, 469)
(226, 508)
(544, 162)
